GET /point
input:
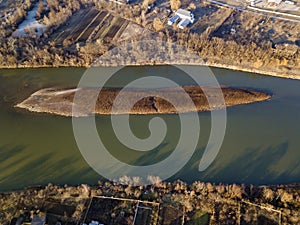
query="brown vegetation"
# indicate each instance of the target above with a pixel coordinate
(139, 101)
(157, 24)
(219, 203)
(175, 4)
(222, 37)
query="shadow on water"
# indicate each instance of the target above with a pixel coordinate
(253, 166)
(19, 169)
(6, 152)
(33, 166)
(154, 156)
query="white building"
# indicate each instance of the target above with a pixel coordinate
(274, 1)
(120, 2)
(95, 223)
(185, 14)
(183, 23)
(289, 2)
(173, 20)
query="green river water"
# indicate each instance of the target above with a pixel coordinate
(261, 145)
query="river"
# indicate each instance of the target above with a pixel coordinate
(261, 145)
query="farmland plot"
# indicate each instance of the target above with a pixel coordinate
(118, 23)
(94, 25)
(122, 211)
(77, 24)
(105, 26)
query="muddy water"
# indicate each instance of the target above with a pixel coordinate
(261, 144)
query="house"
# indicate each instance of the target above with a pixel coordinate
(95, 223)
(183, 23)
(186, 17)
(185, 14)
(173, 20)
(123, 1)
(274, 1)
(289, 2)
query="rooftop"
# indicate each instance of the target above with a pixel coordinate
(183, 12)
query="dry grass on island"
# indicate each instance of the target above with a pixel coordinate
(95, 101)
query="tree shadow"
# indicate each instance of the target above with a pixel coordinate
(19, 169)
(253, 166)
(7, 152)
(156, 155)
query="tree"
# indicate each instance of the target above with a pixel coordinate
(175, 4)
(157, 24)
(192, 6)
(268, 194)
(146, 3)
(40, 10)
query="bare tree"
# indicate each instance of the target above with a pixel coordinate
(157, 24)
(175, 4)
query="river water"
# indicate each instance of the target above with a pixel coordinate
(261, 145)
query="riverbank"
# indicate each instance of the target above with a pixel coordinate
(176, 202)
(214, 39)
(291, 75)
(138, 101)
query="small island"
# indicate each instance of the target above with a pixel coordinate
(101, 101)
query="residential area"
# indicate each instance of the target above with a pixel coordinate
(161, 204)
(76, 33)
